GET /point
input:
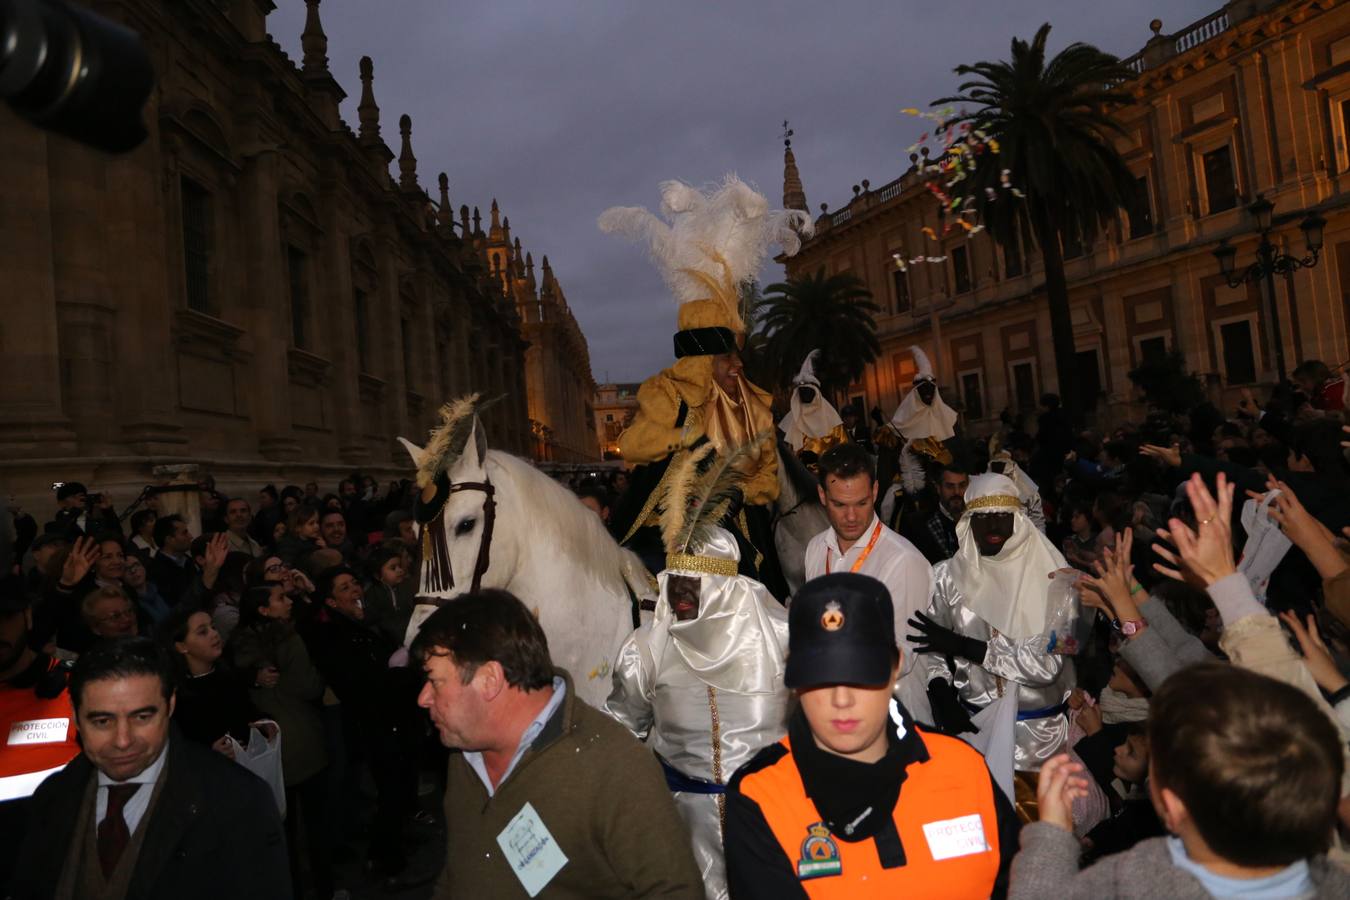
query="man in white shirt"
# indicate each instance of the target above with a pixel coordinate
(858, 541)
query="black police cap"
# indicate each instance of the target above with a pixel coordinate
(841, 630)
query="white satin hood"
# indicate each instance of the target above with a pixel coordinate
(1011, 589)
(738, 642)
(917, 420)
(809, 420)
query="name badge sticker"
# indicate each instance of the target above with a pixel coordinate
(38, 731)
(950, 838)
(530, 850)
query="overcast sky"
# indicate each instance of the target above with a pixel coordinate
(560, 109)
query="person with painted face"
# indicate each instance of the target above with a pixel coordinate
(702, 684)
(812, 426)
(857, 800)
(986, 634)
(917, 441)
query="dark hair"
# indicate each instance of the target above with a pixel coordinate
(323, 585)
(165, 526)
(594, 492)
(846, 461)
(199, 545)
(323, 514)
(381, 555)
(302, 513)
(140, 517)
(126, 657)
(270, 490)
(173, 630)
(254, 599)
(291, 490)
(238, 500)
(489, 626)
(1256, 762)
(1313, 370)
(1320, 442)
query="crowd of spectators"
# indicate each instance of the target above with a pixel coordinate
(284, 610)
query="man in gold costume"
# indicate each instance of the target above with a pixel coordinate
(706, 244)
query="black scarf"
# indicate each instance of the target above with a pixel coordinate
(857, 800)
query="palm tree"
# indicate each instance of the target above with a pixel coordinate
(1054, 125)
(834, 314)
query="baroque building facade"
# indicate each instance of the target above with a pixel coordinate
(250, 290)
(616, 406)
(1254, 99)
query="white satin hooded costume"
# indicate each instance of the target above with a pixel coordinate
(917, 420)
(813, 425)
(706, 694)
(1004, 599)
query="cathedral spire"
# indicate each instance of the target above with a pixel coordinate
(407, 163)
(445, 213)
(313, 41)
(367, 111)
(794, 195)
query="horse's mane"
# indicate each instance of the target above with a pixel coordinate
(562, 525)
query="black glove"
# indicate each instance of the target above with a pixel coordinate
(934, 638)
(949, 715)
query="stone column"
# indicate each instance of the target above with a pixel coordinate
(268, 304)
(33, 421)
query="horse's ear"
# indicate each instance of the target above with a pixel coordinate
(417, 454)
(479, 441)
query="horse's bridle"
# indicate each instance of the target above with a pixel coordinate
(435, 546)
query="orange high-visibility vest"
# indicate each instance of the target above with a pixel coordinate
(945, 818)
(39, 738)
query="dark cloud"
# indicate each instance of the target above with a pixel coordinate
(561, 109)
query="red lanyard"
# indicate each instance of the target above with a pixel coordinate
(862, 557)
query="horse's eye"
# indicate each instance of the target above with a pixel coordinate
(464, 526)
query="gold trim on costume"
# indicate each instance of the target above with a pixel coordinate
(831, 439)
(997, 501)
(708, 565)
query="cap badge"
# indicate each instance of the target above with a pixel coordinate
(832, 619)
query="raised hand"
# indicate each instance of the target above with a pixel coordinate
(1061, 783)
(79, 561)
(935, 638)
(1316, 656)
(1115, 579)
(1170, 456)
(1205, 555)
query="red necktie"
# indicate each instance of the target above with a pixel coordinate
(113, 835)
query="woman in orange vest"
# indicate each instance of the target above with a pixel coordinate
(857, 801)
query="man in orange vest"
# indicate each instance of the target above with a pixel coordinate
(857, 801)
(37, 722)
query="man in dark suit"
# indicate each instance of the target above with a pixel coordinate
(142, 811)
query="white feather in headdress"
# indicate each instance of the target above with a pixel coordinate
(911, 471)
(721, 235)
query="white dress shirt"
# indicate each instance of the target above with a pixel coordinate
(894, 561)
(135, 808)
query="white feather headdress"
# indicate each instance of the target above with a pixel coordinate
(721, 235)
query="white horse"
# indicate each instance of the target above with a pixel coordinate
(797, 517)
(507, 525)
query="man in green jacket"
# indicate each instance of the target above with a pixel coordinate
(546, 797)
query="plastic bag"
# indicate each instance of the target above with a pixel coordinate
(1067, 627)
(263, 758)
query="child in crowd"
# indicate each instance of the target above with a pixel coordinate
(1244, 772)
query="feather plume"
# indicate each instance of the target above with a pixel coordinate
(723, 232)
(911, 472)
(697, 504)
(674, 502)
(447, 440)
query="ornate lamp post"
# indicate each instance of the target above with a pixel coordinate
(1270, 262)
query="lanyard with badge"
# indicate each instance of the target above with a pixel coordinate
(862, 557)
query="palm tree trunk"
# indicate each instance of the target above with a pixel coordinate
(1047, 228)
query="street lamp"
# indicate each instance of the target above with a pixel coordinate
(1270, 262)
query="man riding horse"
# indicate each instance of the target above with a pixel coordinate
(710, 244)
